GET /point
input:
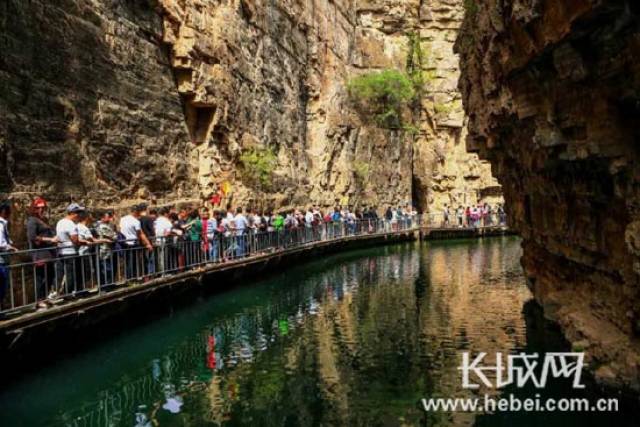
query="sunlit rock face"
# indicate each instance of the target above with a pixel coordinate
(552, 93)
(114, 102)
(278, 79)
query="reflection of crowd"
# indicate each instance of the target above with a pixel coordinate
(481, 215)
(94, 250)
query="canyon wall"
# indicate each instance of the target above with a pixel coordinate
(552, 89)
(114, 102)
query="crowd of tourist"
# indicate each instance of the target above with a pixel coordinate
(147, 239)
(482, 215)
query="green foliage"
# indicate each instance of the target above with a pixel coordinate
(412, 129)
(445, 108)
(382, 94)
(257, 167)
(416, 58)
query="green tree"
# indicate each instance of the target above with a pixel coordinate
(383, 95)
(257, 166)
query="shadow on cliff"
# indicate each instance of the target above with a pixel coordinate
(62, 62)
(57, 65)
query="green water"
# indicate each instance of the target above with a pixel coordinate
(354, 339)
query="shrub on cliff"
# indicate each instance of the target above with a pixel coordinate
(257, 166)
(382, 95)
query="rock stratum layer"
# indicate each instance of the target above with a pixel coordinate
(552, 89)
(113, 102)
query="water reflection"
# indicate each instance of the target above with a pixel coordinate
(352, 340)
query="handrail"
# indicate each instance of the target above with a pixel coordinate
(39, 278)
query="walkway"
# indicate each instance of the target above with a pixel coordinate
(186, 268)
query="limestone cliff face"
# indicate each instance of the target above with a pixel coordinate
(552, 92)
(112, 102)
(234, 84)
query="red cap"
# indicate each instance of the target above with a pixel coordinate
(39, 202)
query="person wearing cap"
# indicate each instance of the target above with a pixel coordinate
(42, 242)
(6, 246)
(68, 241)
(131, 229)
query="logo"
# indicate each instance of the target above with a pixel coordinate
(520, 369)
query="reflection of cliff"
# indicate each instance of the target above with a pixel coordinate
(480, 300)
(359, 343)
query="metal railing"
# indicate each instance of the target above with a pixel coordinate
(43, 277)
(455, 220)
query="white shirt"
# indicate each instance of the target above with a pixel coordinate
(162, 227)
(226, 224)
(129, 227)
(241, 223)
(212, 225)
(65, 228)
(5, 241)
(308, 218)
(85, 234)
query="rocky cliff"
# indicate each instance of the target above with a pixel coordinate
(111, 102)
(552, 92)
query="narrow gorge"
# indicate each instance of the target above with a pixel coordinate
(158, 155)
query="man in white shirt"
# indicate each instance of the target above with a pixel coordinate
(308, 224)
(131, 229)
(241, 224)
(308, 218)
(257, 222)
(162, 228)
(68, 241)
(209, 228)
(6, 246)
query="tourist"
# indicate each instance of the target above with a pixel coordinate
(68, 242)
(105, 231)
(257, 222)
(42, 239)
(277, 222)
(6, 246)
(209, 235)
(308, 224)
(162, 230)
(241, 224)
(131, 229)
(502, 216)
(460, 216)
(193, 229)
(86, 240)
(388, 216)
(445, 214)
(395, 217)
(231, 244)
(221, 232)
(174, 243)
(351, 220)
(147, 223)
